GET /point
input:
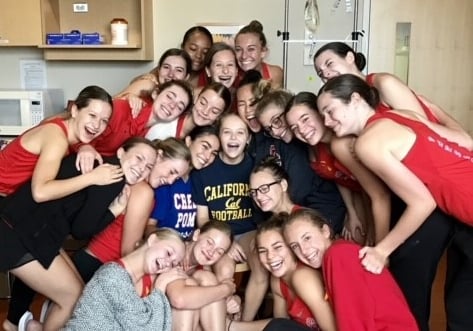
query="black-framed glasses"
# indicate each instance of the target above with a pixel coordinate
(276, 123)
(261, 189)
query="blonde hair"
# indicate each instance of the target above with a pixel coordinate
(167, 234)
(173, 148)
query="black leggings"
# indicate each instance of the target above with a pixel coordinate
(414, 263)
(459, 280)
(280, 324)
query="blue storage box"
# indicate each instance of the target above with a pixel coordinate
(91, 38)
(54, 38)
(73, 38)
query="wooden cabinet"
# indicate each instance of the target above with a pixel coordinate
(20, 23)
(58, 16)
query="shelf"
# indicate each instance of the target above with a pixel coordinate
(58, 17)
(108, 46)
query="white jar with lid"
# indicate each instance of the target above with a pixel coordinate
(119, 29)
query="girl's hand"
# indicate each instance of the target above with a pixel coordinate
(119, 204)
(372, 259)
(168, 277)
(353, 229)
(136, 104)
(106, 174)
(236, 253)
(234, 306)
(86, 157)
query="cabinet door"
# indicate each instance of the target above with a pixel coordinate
(20, 23)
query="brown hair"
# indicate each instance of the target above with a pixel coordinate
(309, 215)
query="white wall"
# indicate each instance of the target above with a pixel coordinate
(171, 20)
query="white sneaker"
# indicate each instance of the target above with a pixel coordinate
(25, 318)
(47, 304)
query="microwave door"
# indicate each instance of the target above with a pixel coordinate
(13, 113)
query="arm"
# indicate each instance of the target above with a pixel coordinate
(137, 213)
(308, 286)
(184, 294)
(279, 303)
(52, 148)
(397, 95)
(377, 149)
(101, 206)
(352, 221)
(371, 184)
(277, 76)
(203, 215)
(144, 83)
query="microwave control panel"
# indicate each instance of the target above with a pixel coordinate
(37, 113)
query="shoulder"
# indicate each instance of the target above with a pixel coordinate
(142, 190)
(384, 80)
(342, 250)
(277, 74)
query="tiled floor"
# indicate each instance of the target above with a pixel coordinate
(437, 313)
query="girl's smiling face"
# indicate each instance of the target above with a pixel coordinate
(173, 67)
(306, 124)
(170, 103)
(246, 107)
(329, 65)
(249, 51)
(163, 254)
(234, 136)
(207, 108)
(204, 149)
(197, 46)
(223, 68)
(91, 121)
(274, 254)
(210, 246)
(137, 162)
(307, 241)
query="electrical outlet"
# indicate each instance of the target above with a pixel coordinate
(80, 7)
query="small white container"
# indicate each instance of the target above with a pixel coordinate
(119, 29)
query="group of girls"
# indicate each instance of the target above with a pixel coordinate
(341, 162)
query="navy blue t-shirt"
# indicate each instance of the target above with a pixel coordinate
(306, 188)
(223, 188)
(175, 208)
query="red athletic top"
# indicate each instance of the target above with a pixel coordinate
(106, 246)
(328, 167)
(296, 308)
(122, 126)
(362, 300)
(265, 74)
(203, 79)
(146, 281)
(382, 107)
(17, 164)
(180, 126)
(443, 166)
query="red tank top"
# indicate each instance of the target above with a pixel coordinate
(203, 80)
(106, 246)
(296, 308)
(328, 167)
(180, 126)
(444, 167)
(382, 107)
(147, 282)
(17, 164)
(122, 126)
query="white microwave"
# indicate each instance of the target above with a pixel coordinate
(23, 109)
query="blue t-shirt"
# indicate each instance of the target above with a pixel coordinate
(223, 188)
(175, 208)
